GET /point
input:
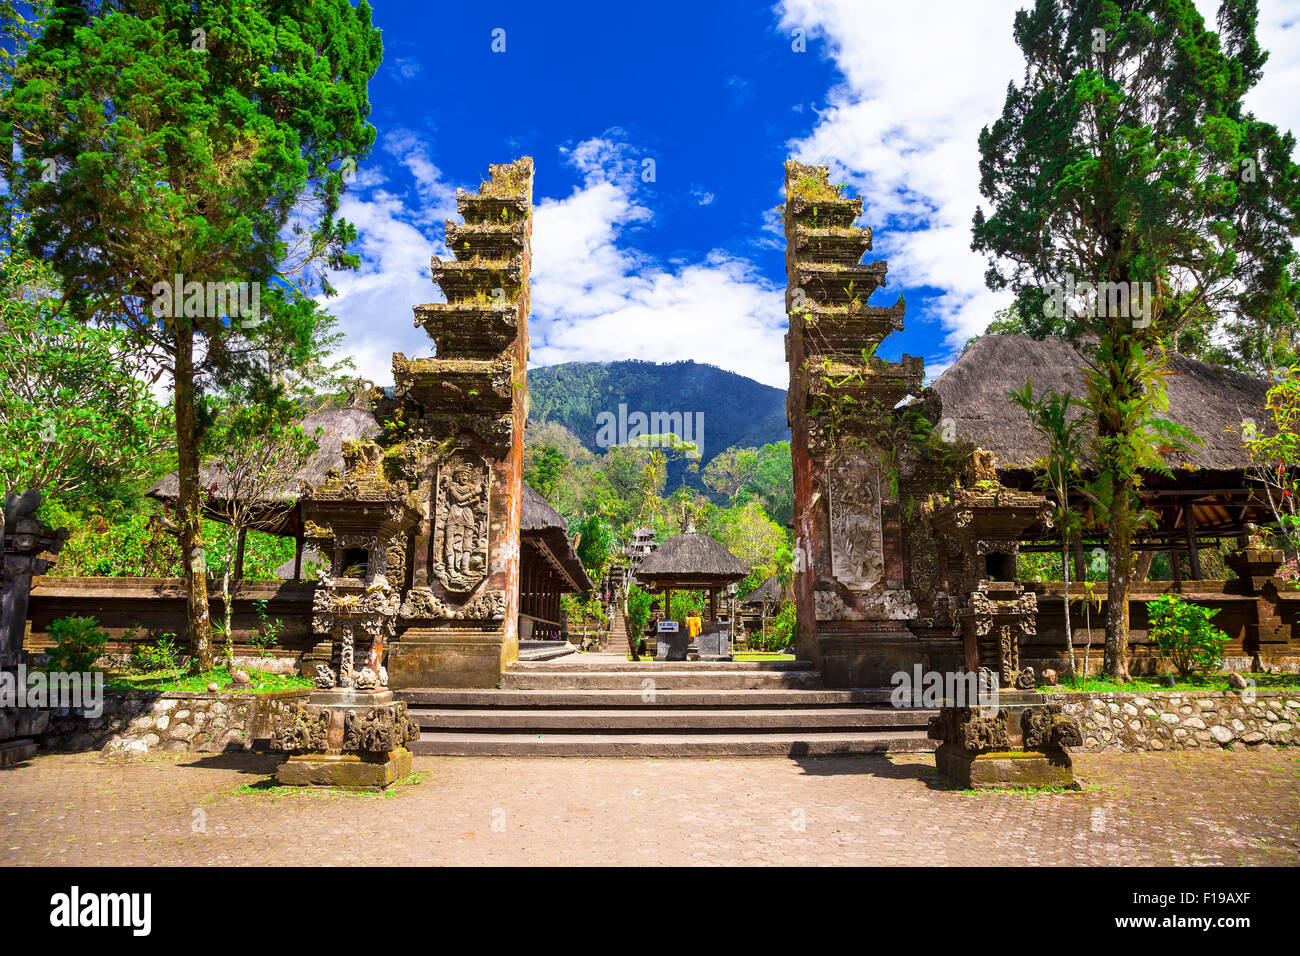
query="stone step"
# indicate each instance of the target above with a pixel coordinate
(657, 720)
(663, 679)
(612, 663)
(537, 652)
(442, 697)
(671, 745)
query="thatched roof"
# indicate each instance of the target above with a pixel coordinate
(691, 557)
(1202, 397)
(545, 529)
(769, 590)
(335, 426)
(538, 515)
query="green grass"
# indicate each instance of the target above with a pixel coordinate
(269, 788)
(763, 656)
(1215, 682)
(260, 682)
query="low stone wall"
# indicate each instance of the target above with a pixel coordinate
(1183, 720)
(140, 722)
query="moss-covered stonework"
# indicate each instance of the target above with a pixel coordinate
(1183, 720)
(134, 723)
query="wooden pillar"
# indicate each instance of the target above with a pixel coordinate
(297, 557)
(1193, 553)
(713, 605)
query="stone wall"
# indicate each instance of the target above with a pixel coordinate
(1183, 720)
(139, 722)
(157, 606)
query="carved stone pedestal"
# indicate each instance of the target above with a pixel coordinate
(353, 739)
(1005, 770)
(1015, 742)
(346, 771)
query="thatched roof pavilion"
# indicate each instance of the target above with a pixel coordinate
(330, 429)
(1208, 496)
(690, 561)
(769, 592)
(543, 530)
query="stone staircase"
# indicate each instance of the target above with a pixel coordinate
(602, 705)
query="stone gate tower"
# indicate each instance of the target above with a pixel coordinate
(855, 606)
(455, 431)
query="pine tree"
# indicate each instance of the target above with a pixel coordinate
(1126, 156)
(208, 141)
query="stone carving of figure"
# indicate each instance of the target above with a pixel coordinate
(463, 491)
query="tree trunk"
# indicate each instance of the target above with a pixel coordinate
(1142, 566)
(1119, 567)
(189, 500)
(228, 614)
(1065, 577)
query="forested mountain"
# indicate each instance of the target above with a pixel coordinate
(737, 411)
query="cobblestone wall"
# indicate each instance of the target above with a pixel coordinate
(136, 722)
(1186, 720)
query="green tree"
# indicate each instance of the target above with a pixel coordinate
(773, 481)
(544, 469)
(595, 545)
(759, 542)
(75, 418)
(1049, 415)
(1125, 160)
(731, 471)
(252, 481)
(163, 139)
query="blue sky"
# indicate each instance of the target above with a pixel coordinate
(690, 266)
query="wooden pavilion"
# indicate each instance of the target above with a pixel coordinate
(549, 567)
(1208, 496)
(690, 561)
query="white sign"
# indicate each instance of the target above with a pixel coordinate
(667, 627)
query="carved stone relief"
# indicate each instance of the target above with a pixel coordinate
(857, 538)
(460, 536)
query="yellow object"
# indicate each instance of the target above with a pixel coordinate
(694, 624)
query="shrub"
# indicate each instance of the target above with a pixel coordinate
(780, 631)
(162, 655)
(268, 630)
(78, 643)
(1184, 634)
(638, 614)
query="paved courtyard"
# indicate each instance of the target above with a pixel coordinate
(1179, 809)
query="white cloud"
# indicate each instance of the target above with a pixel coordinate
(396, 239)
(920, 80)
(595, 300)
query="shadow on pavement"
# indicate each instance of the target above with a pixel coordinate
(876, 765)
